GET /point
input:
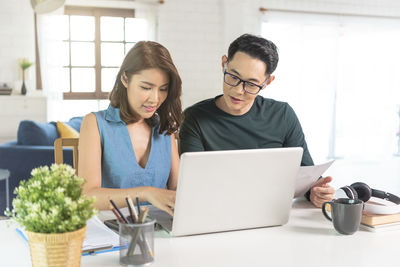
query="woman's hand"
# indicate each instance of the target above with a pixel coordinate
(161, 198)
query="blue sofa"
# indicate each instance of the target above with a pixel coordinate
(33, 148)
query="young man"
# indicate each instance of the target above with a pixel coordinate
(240, 118)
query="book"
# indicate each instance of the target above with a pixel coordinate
(381, 227)
(5, 91)
(376, 219)
(99, 238)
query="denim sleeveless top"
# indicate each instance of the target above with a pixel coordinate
(119, 167)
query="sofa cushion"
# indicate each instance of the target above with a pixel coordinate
(42, 134)
(66, 131)
(36, 133)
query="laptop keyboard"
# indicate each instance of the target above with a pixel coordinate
(162, 218)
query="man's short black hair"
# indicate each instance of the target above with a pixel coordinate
(256, 47)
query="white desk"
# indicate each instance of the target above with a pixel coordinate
(307, 240)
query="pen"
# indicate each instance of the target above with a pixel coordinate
(143, 216)
(138, 205)
(94, 250)
(119, 212)
(117, 215)
(132, 210)
(100, 251)
(134, 241)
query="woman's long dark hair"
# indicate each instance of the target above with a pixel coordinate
(147, 55)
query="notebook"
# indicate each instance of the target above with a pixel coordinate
(232, 190)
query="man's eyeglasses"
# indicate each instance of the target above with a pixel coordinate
(248, 87)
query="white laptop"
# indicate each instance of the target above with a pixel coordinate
(232, 190)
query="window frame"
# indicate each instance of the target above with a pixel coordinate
(96, 12)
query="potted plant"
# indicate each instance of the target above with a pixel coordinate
(51, 207)
(24, 64)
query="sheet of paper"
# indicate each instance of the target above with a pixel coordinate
(308, 176)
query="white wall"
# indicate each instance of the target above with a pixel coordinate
(16, 41)
(356, 7)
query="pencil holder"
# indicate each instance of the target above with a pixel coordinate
(136, 243)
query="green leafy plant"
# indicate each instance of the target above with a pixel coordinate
(25, 63)
(51, 201)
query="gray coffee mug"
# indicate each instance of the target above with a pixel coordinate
(346, 214)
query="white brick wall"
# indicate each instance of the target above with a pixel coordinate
(197, 32)
(192, 32)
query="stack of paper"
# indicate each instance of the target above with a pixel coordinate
(99, 236)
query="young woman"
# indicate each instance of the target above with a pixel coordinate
(129, 149)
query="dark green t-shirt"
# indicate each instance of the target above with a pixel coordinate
(268, 124)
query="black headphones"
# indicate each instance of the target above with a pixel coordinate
(363, 192)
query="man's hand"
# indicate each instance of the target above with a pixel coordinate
(322, 192)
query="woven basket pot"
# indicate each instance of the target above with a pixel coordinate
(53, 250)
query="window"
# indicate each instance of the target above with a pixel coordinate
(95, 41)
(340, 74)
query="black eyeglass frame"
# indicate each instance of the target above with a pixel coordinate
(260, 87)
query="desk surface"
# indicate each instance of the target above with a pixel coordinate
(307, 240)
